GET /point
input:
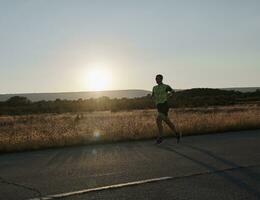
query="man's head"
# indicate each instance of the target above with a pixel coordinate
(159, 78)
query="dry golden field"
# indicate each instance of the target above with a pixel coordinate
(53, 130)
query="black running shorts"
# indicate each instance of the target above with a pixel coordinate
(163, 108)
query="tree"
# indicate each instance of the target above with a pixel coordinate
(18, 101)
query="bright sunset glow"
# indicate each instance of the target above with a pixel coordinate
(99, 77)
(69, 46)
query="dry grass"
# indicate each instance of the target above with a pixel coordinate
(52, 130)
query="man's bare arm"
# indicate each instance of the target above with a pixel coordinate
(170, 90)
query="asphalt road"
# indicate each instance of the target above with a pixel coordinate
(216, 166)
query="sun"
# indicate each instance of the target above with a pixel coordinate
(98, 77)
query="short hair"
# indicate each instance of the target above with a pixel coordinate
(159, 76)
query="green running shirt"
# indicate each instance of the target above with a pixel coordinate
(160, 93)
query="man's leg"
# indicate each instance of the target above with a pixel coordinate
(160, 128)
(172, 126)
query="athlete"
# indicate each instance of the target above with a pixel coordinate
(160, 94)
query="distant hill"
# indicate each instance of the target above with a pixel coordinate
(78, 95)
(242, 89)
(195, 97)
(109, 93)
(239, 89)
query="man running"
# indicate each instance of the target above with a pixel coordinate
(160, 94)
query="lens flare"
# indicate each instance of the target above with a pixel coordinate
(96, 134)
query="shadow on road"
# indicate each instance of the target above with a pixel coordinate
(234, 180)
(250, 173)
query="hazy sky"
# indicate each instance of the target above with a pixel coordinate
(55, 45)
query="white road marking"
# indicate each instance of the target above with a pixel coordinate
(67, 194)
(62, 195)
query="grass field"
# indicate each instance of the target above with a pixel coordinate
(52, 130)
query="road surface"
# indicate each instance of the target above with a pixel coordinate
(216, 166)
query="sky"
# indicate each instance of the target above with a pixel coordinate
(86, 45)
